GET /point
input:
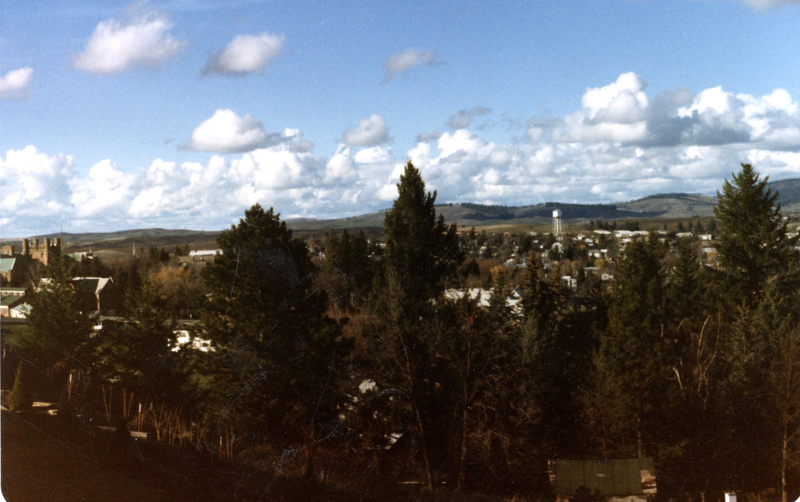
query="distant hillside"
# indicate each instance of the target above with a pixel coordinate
(126, 239)
(788, 194)
(659, 206)
(467, 214)
(664, 206)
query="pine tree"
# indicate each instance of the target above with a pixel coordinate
(541, 298)
(753, 241)
(59, 325)
(279, 355)
(139, 353)
(632, 348)
(348, 268)
(683, 297)
(421, 250)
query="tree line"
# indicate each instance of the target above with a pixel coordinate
(367, 355)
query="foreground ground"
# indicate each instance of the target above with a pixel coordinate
(49, 459)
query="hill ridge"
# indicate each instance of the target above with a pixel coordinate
(674, 205)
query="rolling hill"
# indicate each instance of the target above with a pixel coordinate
(660, 206)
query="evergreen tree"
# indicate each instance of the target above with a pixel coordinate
(279, 355)
(480, 349)
(541, 298)
(59, 328)
(683, 297)
(557, 344)
(348, 268)
(753, 241)
(138, 354)
(421, 250)
(633, 349)
(762, 355)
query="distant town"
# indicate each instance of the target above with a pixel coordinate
(530, 354)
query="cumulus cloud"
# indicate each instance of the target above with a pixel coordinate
(371, 131)
(614, 113)
(340, 168)
(15, 84)
(245, 54)
(374, 155)
(141, 38)
(35, 183)
(404, 61)
(107, 190)
(619, 144)
(621, 112)
(463, 118)
(227, 132)
(185, 192)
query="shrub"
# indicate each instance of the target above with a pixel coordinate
(20, 398)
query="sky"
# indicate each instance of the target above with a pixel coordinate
(183, 114)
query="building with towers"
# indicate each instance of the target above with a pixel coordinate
(18, 268)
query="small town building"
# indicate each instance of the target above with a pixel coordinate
(12, 298)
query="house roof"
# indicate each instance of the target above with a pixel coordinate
(11, 300)
(13, 291)
(23, 308)
(91, 284)
(7, 264)
(483, 297)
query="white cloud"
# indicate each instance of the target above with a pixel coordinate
(620, 144)
(34, 183)
(15, 84)
(245, 54)
(371, 131)
(189, 193)
(272, 169)
(614, 113)
(106, 189)
(404, 61)
(340, 168)
(617, 102)
(142, 38)
(622, 113)
(374, 155)
(227, 132)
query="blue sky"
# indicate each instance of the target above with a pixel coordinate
(182, 114)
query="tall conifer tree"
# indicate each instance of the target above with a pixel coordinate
(281, 354)
(753, 241)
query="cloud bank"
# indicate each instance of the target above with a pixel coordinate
(619, 144)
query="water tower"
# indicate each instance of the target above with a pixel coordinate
(557, 223)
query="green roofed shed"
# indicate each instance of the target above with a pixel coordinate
(611, 478)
